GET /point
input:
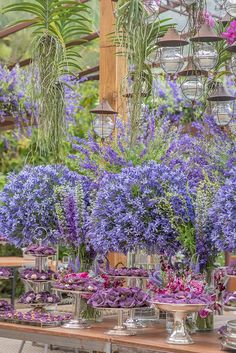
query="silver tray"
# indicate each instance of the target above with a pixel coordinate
(32, 323)
(229, 308)
(38, 280)
(128, 277)
(71, 291)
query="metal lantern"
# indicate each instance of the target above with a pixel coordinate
(226, 19)
(192, 86)
(151, 6)
(171, 52)
(233, 64)
(206, 34)
(205, 56)
(103, 123)
(222, 105)
(189, 2)
(230, 7)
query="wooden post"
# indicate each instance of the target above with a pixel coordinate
(112, 66)
(112, 72)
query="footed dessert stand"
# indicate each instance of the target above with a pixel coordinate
(180, 334)
(77, 322)
(121, 328)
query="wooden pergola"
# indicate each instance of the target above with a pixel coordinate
(112, 68)
(110, 71)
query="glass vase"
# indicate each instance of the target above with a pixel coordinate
(205, 324)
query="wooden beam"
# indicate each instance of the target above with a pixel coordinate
(83, 40)
(13, 29)
(18, 27)
(112, 71)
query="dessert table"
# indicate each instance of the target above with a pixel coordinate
(94, 339)
(14, 263)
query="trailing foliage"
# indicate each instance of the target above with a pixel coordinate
(137, 35)
(55, 23)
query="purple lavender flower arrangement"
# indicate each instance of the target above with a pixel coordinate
(27, 203)
(5, 272)
(73, 211)
(5, 307)
(119, 298)
(223, 215)
(40, 250)
(79, 282)
(129, 272)
(231, 270)
(14, 101)
(35, 275)
(39, 298)
(230, 299)
(134, 209)
(36, 316)
(184, 298)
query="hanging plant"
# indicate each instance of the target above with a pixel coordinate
(136, 34)
(56, 23)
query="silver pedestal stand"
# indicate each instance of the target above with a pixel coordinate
(120, 329)
(180, 334)
(132, 322)
(77, 322)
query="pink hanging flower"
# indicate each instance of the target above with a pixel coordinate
(209, 19)
(230, 34)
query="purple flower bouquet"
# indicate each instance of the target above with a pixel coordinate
(230, 299)
(39, 298)
(5, 272)
(119, 298)
(129, 272)
(35, 275)
(79, 282)
(40, 250)
(184, 298)
(5, 307)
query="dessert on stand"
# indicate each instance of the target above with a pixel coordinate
(120, 299)
(134, 277)
(180, 305)
(79, 285)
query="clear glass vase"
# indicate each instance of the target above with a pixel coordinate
(205, 324)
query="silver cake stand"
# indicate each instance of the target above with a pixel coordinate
(77, 322)
(180, 334)
(120, 329)
(133, 322)
(228, 335)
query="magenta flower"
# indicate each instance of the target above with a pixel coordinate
(230, 34)
(209, 19)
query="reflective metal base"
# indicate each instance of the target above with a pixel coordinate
(134, 323)
(120, 331)
(179, 334)
(76, 324)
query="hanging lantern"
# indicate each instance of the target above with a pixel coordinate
(189, 2)
(205, 56)
(103, 124)
(222, 106)
(226, 19)
(230, 7)
(171, 52)
(192, 87)
(206, 34)
(232, 49)
(151, 6)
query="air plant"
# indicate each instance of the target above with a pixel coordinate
(136, 34)
(56, 22)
